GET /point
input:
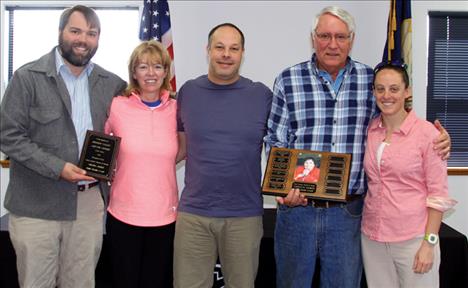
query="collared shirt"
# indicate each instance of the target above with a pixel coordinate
(336, 84)
(410, 177)
(79, 96)
(307, 113)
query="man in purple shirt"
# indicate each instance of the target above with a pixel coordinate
(222, 118)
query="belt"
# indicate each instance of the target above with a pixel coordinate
(87, 186)
(317, 203)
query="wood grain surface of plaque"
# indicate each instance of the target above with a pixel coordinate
(317, 174)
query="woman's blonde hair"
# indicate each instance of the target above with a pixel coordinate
(155, 53)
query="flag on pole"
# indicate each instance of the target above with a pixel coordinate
(156, 25)
(399, 44)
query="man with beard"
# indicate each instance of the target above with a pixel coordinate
(56, 210)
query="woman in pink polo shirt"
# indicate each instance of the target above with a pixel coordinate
(407, 193)
(143, 200)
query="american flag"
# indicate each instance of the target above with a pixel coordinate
(156, 25)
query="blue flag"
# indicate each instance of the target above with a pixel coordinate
(399, 30)
(399, 44)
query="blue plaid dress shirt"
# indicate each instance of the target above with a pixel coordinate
(307, 113)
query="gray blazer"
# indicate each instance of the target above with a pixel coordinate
(37, 133)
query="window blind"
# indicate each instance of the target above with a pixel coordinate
(447, 90)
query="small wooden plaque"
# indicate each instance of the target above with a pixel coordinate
(99, 154)
(317, 174)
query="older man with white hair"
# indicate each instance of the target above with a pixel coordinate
(324, 104)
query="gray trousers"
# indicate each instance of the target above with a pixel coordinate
(391, 264)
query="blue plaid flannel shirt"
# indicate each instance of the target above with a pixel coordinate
(306, 113)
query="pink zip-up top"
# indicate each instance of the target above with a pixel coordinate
(411, 177)
(144, 189)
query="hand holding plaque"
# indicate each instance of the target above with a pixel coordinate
(99, 154)
(318, 175)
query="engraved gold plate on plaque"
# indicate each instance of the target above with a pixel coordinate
(317, 174)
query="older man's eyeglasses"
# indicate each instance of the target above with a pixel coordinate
(327, 37)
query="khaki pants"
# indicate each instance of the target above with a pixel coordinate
(60, 253)
(391, 264)
(198, 242)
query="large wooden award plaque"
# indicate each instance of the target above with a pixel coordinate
(317, 174)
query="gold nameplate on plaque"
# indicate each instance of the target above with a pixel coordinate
(317, 174)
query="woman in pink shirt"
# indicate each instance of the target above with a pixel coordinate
(143, 200)
(407, 193)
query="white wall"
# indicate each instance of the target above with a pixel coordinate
(277, 36)
(276, 32)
